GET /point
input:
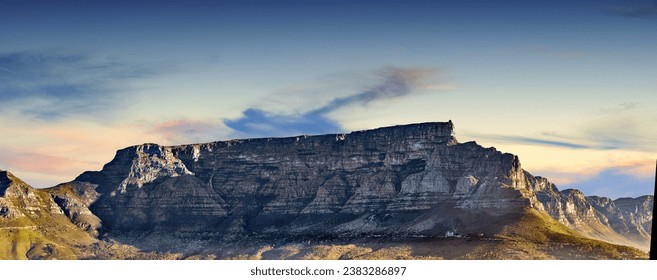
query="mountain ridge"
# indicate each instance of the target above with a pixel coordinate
(399, 183)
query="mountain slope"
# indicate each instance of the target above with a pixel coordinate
(33, 226)
(55, 223)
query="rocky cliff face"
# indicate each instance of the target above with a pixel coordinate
(623, 221)
(394, 183)
(383, 181)
(639, 210)
(412, 180)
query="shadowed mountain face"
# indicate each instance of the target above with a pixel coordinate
(397, 186)
(624, 221)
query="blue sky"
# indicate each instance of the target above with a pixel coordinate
(569, 87)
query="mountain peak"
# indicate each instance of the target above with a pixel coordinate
(6, 179)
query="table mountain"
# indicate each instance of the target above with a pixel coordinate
(411, 186)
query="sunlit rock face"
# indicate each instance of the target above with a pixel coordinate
(410, 180)
(639, 209)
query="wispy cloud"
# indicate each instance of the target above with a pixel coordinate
(558, 53)
(630, 133)
(615, 183)
(40, 163)
(645, 10)
(626, 134)
(622, 127)
(394, 82)
(50, 86)
(545, 140)
(183, 131)
(620, 108)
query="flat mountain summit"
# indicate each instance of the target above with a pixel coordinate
(402, 192)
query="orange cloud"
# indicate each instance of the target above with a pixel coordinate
(41, 163)
(52, 153)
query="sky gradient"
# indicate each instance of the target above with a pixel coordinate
(568, 87)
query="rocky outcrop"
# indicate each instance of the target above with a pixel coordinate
(622, 221)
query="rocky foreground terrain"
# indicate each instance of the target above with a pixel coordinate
(402, 192)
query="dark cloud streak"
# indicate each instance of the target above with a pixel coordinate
(395, 82)
(543, 141)
(648, 11)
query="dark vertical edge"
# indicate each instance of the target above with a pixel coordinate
(653, 246)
